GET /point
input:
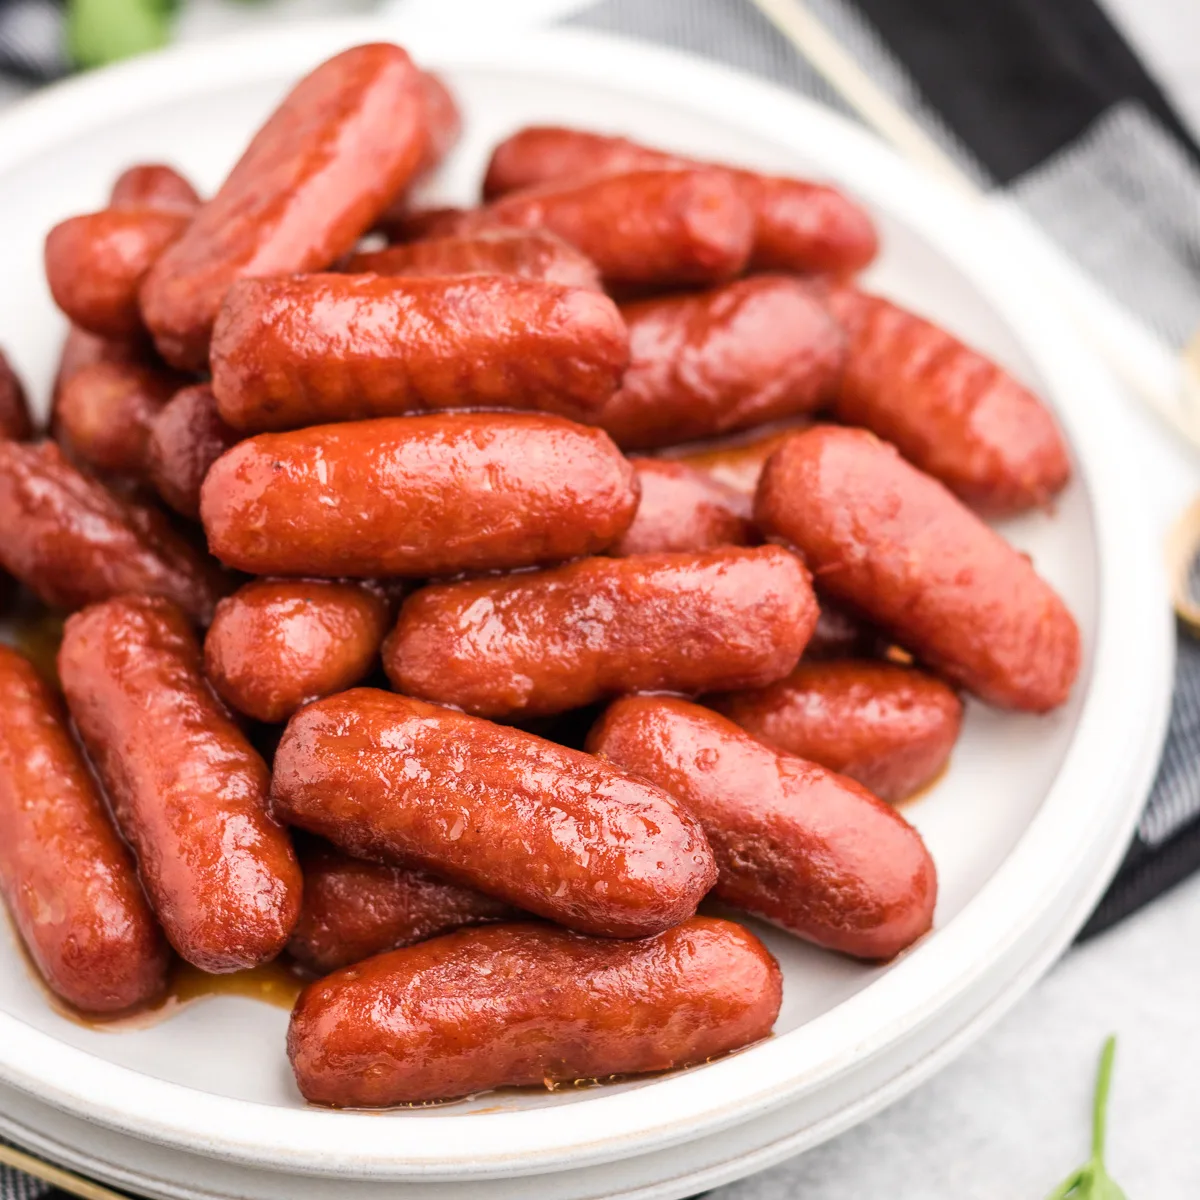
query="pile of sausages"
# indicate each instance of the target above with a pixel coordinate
(602, 687)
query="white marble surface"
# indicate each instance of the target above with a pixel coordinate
(1010, 1117)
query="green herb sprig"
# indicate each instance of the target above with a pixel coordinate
(1092, 1181)
(104, 31)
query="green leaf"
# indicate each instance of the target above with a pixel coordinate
(1092, 1181)
(103, 31)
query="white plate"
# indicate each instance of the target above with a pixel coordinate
(1025, 828)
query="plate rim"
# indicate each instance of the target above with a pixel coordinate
(317, 1142)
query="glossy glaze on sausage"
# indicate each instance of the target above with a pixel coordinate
(800, 226)
(888, 727)
(186, 436)
(536, 644)
(648, 229)
(95, 264)
(354, 909)
(15, 422)
(308, 349)
(708, 363)
(105, 412)
(187, 790)
(81, 349)
(948, 409)
(529, 1005)
(68, 880)
(736, 460)
(418, 496)
(896, 547)
(315, 177)
(544, 828)
(681, 509)
(527, 253)
(442, 119)
(72, 541)
(805, 848)
(276, 644)
(154, 185)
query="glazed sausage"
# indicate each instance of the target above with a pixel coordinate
(73, 542)
(887, 727)
(681, 509)
(809, 228)
(311, 348)
(417, 496)
(105, 412)
(154, 185)
(528, 1005)
(527, 253)
(946, 408)
(807, 849)
(736, 461)
(15, 422)
(443, 127)
(185, 438)
(402, 223)
(69, 882)
(346, 139)
(81, 349)
(533, 645)
(354, 909)
(897, 547)
(96, 263)
(186, 789)
(443, 121)
(276, 644)
(647, 229)
(738, 355)
(539, 826)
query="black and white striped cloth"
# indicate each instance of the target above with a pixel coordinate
(1044, 100)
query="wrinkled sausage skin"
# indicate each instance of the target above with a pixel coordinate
(73, 542)
(69, 882)
(681, 509)
(346, 139)
(308, 349)
(807, 849)
(276, 644)
(527, 1005)
(543, 643)
(187, 791)
(354, 909)
(527, 253)
(708, 363)
(185, 437)
(541, 827)
(646, 229)
(949, 410)
(887, 727)
(894, 545)
(809, 228)
(418, 496)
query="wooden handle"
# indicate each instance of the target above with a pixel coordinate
(66, 1181)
